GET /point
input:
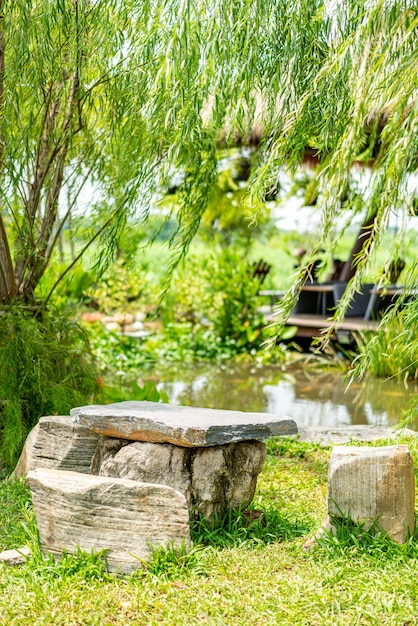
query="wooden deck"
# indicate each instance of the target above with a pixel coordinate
(311, 325)
(317, 302)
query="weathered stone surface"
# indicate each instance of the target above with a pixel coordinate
(95, 512)
(11, 558)
(211, 479)
(163, 463)
(181, 425)
(58, 443)
(365, 484)
(226, 476)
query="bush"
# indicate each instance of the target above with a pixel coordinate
(45, 368)
(393, 351)
(218, 293)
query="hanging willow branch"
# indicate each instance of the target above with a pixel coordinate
(131, 91)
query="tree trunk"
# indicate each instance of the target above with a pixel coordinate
(8, 287)
(362, 243)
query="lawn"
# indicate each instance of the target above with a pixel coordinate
(240, 574)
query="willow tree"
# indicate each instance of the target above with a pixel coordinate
(118, 95)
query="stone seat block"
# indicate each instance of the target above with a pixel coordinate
(366, 484)
(121, 516)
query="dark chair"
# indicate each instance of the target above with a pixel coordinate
(307, 303)
(358, 305)
(379, 302)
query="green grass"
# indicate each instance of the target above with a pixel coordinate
(17, 524)
(243, 572)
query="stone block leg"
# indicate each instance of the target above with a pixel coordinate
(367, 484)
(212, 479)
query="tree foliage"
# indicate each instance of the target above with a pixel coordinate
(106, 100)
(119, 95)
(45, 369)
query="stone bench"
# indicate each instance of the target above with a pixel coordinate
(121, 477)
(373, 488)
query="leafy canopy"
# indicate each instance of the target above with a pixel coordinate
(120, 95)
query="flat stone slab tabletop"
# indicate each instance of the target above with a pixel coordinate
(181, 425)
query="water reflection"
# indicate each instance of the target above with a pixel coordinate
(311, 398)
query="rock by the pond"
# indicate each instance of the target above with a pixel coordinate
(121, 516)
(327, 436)
(11, 558)
(57, 442)
(369, 485)
(180, 425)
(212, 479)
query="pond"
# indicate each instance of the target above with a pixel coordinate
(311, 397)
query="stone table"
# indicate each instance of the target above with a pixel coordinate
(211, 456)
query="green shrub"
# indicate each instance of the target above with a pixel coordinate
(216, 293)
(393, 351)
(115, 352)
(120, 285)
(45, 368)
(187, 342)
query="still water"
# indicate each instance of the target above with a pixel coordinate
(312, 398)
